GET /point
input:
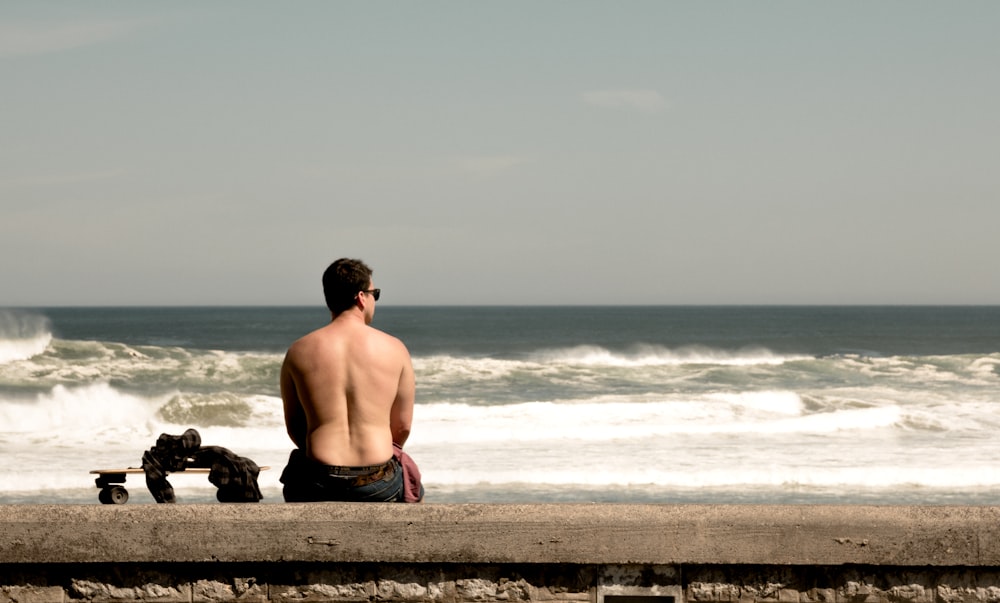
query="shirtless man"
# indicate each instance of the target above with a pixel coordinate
(348, 392)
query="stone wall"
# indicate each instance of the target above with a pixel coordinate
(499, 553)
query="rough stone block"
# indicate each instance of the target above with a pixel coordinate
(391, 590)
(478, 589)
(514, 590)
(712, 591)
(441, 592)
(150, 592)
(767, 591)
(32, 594)
(239, 589)
(861, 592)
(318, 592)
(819, 595)
(967, 594)
(788, 595)
(911, 593)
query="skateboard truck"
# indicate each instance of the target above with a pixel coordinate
(112, 490)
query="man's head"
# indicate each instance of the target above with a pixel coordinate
(342, 282)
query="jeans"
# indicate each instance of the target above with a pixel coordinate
(308, 481)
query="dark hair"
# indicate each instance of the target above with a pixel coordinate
(342, 281)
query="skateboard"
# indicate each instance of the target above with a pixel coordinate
(111, 481)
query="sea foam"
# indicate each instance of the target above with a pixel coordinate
(655, 355)
(22, 335)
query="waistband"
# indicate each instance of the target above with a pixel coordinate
(359, 476)
(300, 467)
(355, 471)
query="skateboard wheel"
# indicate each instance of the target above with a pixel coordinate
(115, 495)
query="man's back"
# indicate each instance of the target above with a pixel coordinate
(348, 390)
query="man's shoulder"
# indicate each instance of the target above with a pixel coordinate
(386, 338)
(318, 334)
(312, 339)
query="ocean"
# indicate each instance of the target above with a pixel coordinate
(716, 404)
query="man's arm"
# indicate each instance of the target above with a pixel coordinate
(295, 415)
(402, 407)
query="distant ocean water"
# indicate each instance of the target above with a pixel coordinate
(874, 405)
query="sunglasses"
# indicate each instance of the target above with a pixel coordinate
(375, 293)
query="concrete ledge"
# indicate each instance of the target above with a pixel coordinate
(356, 553)
(479, 533)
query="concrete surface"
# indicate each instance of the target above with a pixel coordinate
(502, 534)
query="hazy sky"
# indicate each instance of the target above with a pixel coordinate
(500, 152)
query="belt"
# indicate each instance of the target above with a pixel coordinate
(360, 476)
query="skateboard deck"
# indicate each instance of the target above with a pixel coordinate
(111, 481)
